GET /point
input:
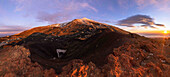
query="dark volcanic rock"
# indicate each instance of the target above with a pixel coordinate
(14, 62)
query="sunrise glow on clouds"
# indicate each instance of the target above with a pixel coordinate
(20, 15)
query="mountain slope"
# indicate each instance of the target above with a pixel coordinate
(92, 49)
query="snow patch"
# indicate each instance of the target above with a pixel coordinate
(59, 25)
(63, 24)
(60, 52)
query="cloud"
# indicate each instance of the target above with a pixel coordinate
(159, 4)
(146, 26)
(161, 25)
(86, 5)
(10, 29)
(53, 11)
(54, 17)
(153, 34)
(145, 20)
(128, 25)
(2, 11)
(124, 3)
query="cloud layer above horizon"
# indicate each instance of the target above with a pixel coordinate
(144, 20)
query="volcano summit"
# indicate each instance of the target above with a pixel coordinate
(81, 47)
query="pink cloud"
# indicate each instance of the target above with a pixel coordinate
(53, 10)
(40, 5)
(2, 11)
(125, 3)
(21, 4)
(54, 17)
(86, 5)
(110, 8)
(12, 28)
(159, 4)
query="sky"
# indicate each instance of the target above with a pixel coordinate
(145, 17)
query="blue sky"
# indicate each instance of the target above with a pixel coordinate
(19, 15)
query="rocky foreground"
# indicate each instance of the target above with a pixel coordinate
(93, 49)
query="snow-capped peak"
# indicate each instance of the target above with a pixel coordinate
(59, 25)
(84, 18)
